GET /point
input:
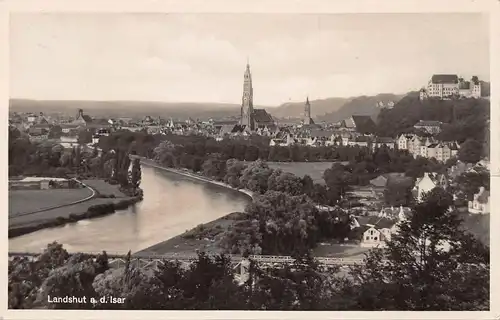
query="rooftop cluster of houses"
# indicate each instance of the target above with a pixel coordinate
(446, 86)
(357, 130)
(377, 227)
(38, 127)
(427, 147)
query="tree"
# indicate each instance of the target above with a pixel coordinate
(399, 193)
(55, 132)
(430, 264)
(255, 176)
(84, 136)
(73, 279)
(26, 276)
(470, 151)
(285, 182)
(135, 175)
(234, 170)
(338, 180)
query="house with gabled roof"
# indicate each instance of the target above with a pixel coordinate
(403, 141)
(379, 142)
(360, 141)
(428, 182)
(360, 124)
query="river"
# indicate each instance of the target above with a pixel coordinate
(172, 204)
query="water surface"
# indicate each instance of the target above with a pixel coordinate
(172, 204)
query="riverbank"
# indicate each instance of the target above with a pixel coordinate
(152, 163)
(205, 237)
(105, 199)
(209, 237)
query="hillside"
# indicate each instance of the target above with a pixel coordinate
(128, 108)
(363, 105)
(318, 107)
(463, 118)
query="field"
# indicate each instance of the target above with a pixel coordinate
(24, 201)
(313, 169)
(104, 188)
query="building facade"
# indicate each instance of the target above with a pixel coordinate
(445, 86)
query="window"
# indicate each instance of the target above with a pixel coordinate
(375, 238)
(371, 233)
(367, 238)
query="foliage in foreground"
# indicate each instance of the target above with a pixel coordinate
(429, 265)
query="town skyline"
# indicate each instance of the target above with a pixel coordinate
(122, 57)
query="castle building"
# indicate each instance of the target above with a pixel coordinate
(251, 118)
(445, 86)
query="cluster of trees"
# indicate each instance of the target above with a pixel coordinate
(466, 121)
(277, 223)
(283, 217)
(415, 272)
(193, 150)
(463, 118)
(466, 185)
(51, 159)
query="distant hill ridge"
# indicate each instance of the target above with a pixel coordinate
(329, 109)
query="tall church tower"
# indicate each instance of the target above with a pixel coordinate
(247, 101)
(307, 112)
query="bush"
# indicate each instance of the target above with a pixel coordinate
(73, 217)
(60, 221)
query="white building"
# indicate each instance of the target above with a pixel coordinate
(424, 185)
(481, 202)
(444, 86)
(429, 126)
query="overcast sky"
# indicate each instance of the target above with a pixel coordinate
(201, 58)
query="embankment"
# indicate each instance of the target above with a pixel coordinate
(93, 211)
(91, 207)
(151, 163)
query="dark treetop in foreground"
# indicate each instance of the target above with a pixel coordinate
(413, 273)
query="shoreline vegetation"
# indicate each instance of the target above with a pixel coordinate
(203, 237)
(93, 210)
(206, 237)
(189, 174)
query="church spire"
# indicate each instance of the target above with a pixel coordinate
(247, 100)
(307, 112)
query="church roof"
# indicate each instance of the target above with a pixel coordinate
(428, 123)
(363, 124)
(261, 115)
(384, 140)
(444, 78)
(377, 222)
(225, 122)
(321, 133)
(379, 181)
